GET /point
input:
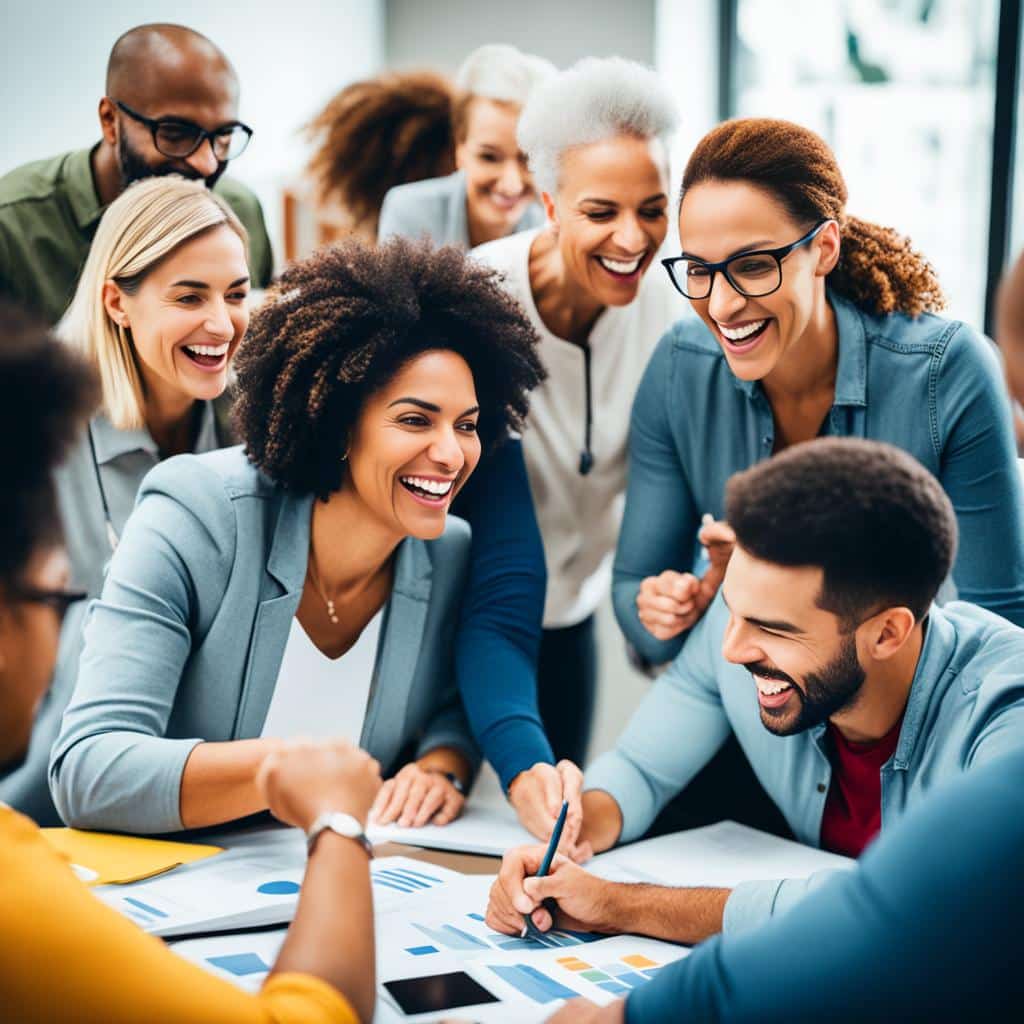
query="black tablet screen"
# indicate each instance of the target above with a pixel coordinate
(438, 992)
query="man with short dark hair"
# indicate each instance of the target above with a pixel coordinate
(170, 107)
(850, 693)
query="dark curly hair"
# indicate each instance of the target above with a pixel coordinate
(339, 325)
(46, 392)
(872, 517)
(878, 268)
(379, 133)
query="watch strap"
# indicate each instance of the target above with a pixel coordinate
(342, 824)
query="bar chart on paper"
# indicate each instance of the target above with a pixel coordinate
(617, 977)
(468, 935)
(403, 879)
(610, 968)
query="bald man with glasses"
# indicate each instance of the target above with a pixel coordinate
(171, 107)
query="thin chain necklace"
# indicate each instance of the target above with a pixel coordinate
(315, 579)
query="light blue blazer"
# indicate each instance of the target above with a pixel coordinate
(186, 641)
(436, 208)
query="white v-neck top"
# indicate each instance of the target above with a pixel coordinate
(319, 697)
(579, 516)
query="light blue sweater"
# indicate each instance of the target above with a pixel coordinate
(966, 706)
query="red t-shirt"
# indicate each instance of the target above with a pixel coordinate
(853, 808)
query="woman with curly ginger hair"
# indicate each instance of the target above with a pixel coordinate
(378, 133)
(310, 584)
(809, 322)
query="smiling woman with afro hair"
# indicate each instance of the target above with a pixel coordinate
(315, 576)
(342, 322)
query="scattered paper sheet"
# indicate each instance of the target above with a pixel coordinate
(723, 854)
(254, 883)
(486, 830)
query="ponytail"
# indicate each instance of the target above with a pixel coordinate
(878, 269)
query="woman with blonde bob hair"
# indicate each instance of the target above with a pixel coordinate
(160, 308)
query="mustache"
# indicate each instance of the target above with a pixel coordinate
(757, 668)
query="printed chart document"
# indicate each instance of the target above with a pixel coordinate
(522, 979)
(487, 830)
(254, 883)
(439, 942)
(723, 854)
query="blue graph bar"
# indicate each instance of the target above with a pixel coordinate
(630, 978)
(476, 917)
(144, 906)
(514, 944)
(239, 964)
(403, 877)
(613, 987)
(652, 973)
(392, 885)
(419, 874)
(532, 983)
(451, 937)
(421, 950)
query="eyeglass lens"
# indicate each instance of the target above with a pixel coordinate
(181, 140)
(752, 275)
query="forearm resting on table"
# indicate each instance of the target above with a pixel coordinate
(219, 781)
(663, 912)
(332, 933)
(446, 759)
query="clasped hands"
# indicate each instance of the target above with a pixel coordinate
(671, 602)
(298, 779)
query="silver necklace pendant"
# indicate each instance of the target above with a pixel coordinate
(330, 611)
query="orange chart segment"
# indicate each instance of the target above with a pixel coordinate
(639, 961)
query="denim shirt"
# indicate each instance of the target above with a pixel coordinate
(931, 386)
(965, 707)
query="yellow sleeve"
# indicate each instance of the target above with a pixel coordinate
(67, 956)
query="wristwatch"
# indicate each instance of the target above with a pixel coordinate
(457, 784)
(343, 825)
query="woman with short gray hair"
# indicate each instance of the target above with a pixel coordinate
(595, 136)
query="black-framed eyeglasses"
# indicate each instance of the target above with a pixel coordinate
(59, 600)
(178, 138)
(753, 274)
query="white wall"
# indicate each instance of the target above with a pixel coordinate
(439, 33)
(290, 59)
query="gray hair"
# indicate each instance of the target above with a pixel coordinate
(595, 99)
(500, 72)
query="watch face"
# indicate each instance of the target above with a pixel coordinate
(344, 824)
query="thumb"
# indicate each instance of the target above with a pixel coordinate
(539, 889)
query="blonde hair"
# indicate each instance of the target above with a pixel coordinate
(143, 226)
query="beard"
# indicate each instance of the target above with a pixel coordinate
(833, 688)
(134, 168)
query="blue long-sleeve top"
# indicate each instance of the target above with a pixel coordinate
(926, 928)
(499, 632)
(931, 386)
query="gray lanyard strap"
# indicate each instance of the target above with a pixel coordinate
(112, 537)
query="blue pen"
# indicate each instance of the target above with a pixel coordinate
(545, 865)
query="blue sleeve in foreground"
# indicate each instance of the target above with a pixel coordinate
(499, 631)
(926, 928)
